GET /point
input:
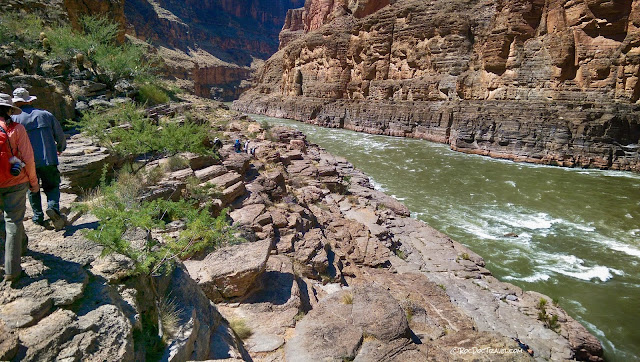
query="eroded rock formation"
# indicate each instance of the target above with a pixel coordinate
(553, 82)
(340, 271)
(211, 44)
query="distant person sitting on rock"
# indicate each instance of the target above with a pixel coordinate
(17, 175)
(48, 140)
(217, 144)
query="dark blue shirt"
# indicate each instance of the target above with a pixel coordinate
(45, 134)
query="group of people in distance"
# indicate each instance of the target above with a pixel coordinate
(30, 141)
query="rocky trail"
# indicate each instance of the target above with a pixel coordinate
(331, 270)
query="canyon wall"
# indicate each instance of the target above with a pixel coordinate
(213, 42)
(552, 82)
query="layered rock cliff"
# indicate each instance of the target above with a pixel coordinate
(553, 82)
(213, 43)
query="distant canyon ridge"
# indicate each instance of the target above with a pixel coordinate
(211, 46)
(543, 81)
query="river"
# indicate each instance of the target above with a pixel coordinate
(572, 234)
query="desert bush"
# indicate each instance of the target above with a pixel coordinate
(21, 28)
(109, 60)
(347, 298)
(169, 317)
(240, 327)
(127, 132)
(119, 208)
(151, 95)
(176, 163)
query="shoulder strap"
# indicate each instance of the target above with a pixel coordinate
(8, 140)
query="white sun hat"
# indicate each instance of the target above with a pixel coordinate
(22, 95)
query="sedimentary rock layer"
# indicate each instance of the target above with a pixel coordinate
(209, 43)
(552, 82)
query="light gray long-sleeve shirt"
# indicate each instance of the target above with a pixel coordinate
(45, 134)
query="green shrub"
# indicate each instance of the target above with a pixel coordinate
(201, 193)
(22, 28)
(549, 320)
(127, 132)
(176, 163)
(240, 327)
(109, 60)
(151, 95)
(118, 207)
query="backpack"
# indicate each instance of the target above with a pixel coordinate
(6, 152)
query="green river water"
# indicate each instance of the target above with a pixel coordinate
(578, 230)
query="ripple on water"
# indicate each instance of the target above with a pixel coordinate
(537, 277)
(572, 266)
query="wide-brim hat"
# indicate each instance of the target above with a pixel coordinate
(22, 95)
(5, 101)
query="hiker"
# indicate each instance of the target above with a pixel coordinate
(237, 146)
(217, 144)
(48, 140)
(17, 175)
(246, 146)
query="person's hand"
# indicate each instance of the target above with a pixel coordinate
(35, 188)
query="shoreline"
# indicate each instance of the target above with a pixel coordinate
(532, 132)
(407, 247)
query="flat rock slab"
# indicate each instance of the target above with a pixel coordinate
(25, 311)
(248, 214)
(238, 162)
(229, 272)
(225, 180)
(210, 172)
(334, 330)
(260, 343)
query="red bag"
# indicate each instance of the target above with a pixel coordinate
(5, 154)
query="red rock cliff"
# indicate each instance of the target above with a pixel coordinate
(552, 82)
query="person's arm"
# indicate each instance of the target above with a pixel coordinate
(58, 134)
(25, 153)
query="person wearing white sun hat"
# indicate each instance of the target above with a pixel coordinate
(47, 140)
(17, 175)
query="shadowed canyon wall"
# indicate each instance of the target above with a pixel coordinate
(213, 42)
(553, 82)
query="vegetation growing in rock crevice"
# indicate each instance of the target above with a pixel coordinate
(94, 49)
(119, 209)
(127, 132)
(20, 28)
(549, 320)
(108, 60)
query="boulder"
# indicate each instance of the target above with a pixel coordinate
(81, 165)
(335, 328)
(85, 89)
(247, 215)
(230, 272)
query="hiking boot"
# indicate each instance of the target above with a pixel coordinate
(12, 280)
(57, 219)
